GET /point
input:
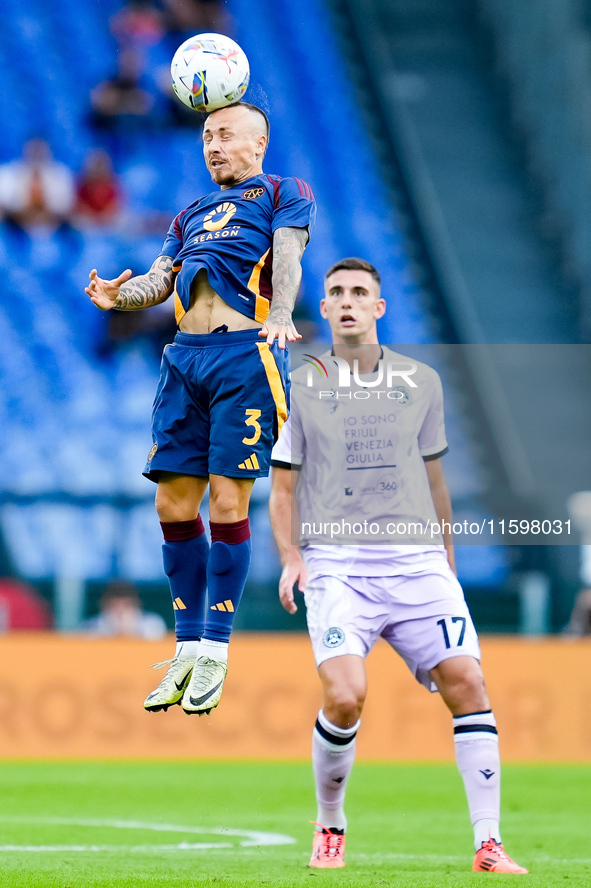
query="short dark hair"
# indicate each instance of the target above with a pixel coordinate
(352, 263)
(250, 108)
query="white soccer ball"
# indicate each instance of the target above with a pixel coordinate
(209, 71)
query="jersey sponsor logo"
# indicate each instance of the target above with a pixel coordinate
(387, 486)
(226, 232)
(333, 637)
(152, 452)
(219, 217)
(253, 193)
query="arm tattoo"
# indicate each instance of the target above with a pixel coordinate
(288, 248)
(147, 289)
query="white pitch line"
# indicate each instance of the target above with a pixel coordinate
(563, 860)
(248, 838)
(213, 846)
(455, 858)
(390, 855)
(127, 849)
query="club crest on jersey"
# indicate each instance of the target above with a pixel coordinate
(333, 637)
(253, 193)
(152, 452)
(404, 397)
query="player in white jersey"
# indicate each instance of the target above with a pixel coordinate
(366, 443)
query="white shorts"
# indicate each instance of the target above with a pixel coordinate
(423, 616)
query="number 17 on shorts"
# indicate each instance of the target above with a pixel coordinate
(457, 635)
(454, 636)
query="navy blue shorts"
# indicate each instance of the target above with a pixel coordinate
(221, 401)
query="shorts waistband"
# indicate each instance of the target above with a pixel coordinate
(208, 340)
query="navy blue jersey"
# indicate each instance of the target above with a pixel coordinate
(230, 234)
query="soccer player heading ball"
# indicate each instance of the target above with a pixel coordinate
(356, 592)
(233, 261)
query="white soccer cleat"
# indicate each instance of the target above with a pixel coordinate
(172, 687)
(204, 690)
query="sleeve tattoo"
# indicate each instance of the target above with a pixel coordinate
(147, 289)
(288, 248)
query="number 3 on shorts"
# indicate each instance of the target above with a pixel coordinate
(446, 634)
(252, 420)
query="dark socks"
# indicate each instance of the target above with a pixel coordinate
(185, 555)
(227, 569)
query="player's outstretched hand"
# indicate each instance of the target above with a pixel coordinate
(104, 293)
(293, 572)
(280, 329)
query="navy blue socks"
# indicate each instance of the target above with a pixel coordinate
(185, 555)
(227, 569)
(193, 568)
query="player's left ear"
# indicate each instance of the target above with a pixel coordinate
(380, 309)
(262, 144)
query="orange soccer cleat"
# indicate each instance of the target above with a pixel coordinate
(328, 850)
(491, 858)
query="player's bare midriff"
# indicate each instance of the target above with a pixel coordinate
(208, 311)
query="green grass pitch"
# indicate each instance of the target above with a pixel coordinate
(80, 825)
